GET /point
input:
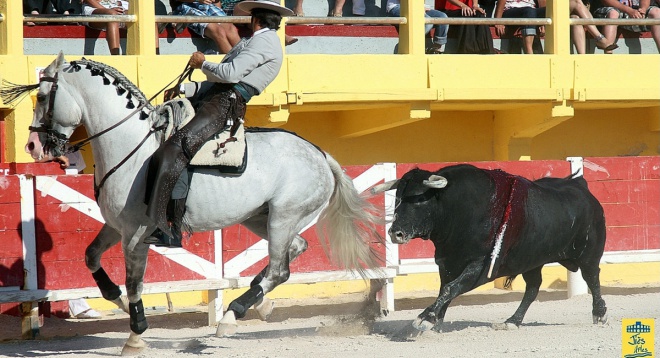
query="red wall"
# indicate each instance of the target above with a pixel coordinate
(628, 188)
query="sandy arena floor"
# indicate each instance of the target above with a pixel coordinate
(314, 328)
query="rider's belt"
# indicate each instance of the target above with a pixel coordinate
(246, 91)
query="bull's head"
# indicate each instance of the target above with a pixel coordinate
(416, 207)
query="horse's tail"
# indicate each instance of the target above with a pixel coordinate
(348, 227)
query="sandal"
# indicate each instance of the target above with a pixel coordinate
(610, 47)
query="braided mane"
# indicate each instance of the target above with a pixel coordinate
(123, 84)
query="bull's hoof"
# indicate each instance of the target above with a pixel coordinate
(227, 326)
(422, 325)
(134, 345)
(264, 308)
(506, 326)
(121, 302)
(600, 320)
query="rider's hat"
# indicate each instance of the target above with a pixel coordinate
(246, 7)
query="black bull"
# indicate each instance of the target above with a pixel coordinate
(487, 224)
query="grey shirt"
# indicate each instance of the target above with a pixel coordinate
(257, 63)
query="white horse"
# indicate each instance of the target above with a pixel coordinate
(287, 183)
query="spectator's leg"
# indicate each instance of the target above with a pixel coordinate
(528, 31)
(609, 31)
(359, 9)
(578, 9)
(578, 36)
(654, 13)
(112, 35)
(339, 8)
(440, 34)
(225, 35)
(298, 10)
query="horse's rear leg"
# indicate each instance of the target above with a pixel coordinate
(104, 240)
(264, 282)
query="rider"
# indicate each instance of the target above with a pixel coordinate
(244, 72)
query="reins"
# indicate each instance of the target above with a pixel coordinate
(187, 72)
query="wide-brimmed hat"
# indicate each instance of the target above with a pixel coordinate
(246, 7)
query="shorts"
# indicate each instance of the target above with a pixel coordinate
(601, 13)
(196, 9)
(108, 4)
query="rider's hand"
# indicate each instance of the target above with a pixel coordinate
(171, 93)
(196, 60)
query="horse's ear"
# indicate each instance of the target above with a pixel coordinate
(55, 65)
(60, 59)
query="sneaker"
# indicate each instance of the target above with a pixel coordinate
(435, 49)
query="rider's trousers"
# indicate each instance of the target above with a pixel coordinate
(219, 104)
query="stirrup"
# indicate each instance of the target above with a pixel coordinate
(160, 239)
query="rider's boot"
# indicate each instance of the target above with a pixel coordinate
(176, 210)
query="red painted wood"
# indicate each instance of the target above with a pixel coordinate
(79, 31)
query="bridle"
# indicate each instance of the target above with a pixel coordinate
(52, 136)
(59, 139)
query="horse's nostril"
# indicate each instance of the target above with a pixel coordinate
(30, 146)
(398, 234)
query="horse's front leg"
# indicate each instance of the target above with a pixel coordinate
(136, 264)
(104, 240)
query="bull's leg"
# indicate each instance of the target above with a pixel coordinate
(533, 281)
(136, 264)
(433, 315)
(104, 240)
(591, 273)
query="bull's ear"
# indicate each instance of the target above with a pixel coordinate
(435, 182)
(377, 189)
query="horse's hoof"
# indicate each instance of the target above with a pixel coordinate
(422, 325)
(134, 345)
(227, 326)
(264, 308)
(506, 326)
(600, 320)
(121, 302)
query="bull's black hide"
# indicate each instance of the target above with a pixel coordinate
(487, 224)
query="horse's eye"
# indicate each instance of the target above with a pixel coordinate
(41, 97)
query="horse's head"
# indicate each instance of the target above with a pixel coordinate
(56, 114)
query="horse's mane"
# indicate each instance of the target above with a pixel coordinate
(122, 83)
(10, 92)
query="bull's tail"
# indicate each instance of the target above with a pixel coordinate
(348, 227)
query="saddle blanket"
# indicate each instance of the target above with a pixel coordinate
(218, 151)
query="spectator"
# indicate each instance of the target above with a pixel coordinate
(628, 9)
(359, 9)
(439, 40)
(60, 7)
(225, 35)
(520, 9)
(110, 7)
(578, 9)
(107, 7)
(471, 38)
(528, 9)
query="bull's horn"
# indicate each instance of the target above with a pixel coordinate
(435, 182)
(389, 185)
